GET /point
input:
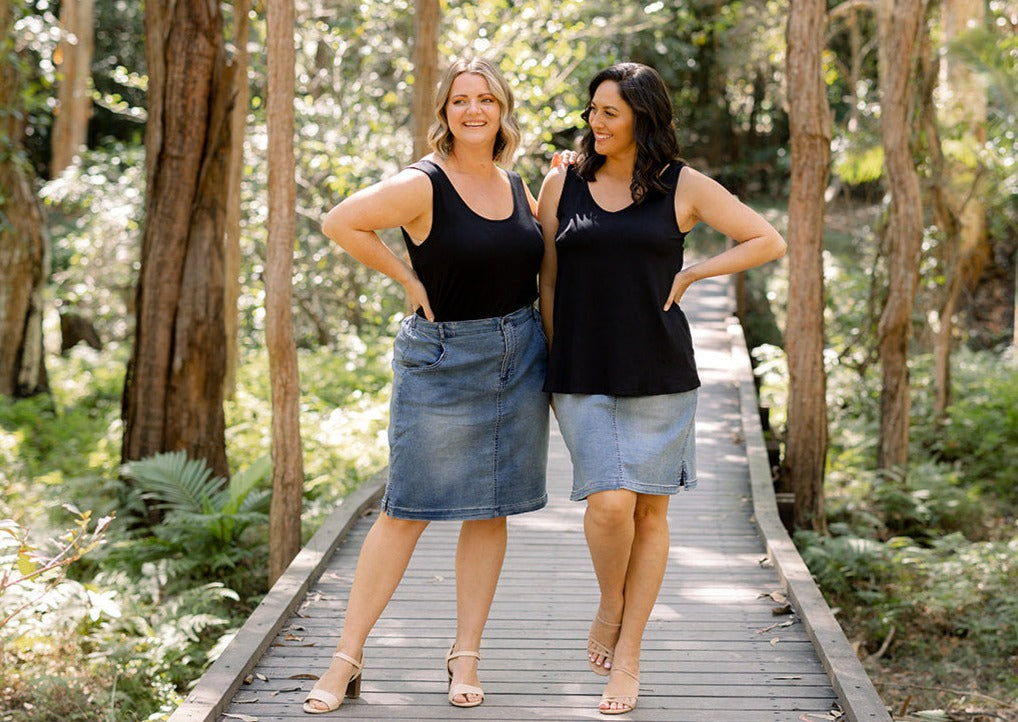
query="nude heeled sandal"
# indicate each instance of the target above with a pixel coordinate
(600, 630)
(331, 701)
(627, 702)
(463, 689)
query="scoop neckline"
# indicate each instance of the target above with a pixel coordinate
(623, 208)
(466, 205)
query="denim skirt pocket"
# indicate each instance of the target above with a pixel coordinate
(414, 350)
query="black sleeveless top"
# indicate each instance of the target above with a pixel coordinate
(615, 270)
(473, 267)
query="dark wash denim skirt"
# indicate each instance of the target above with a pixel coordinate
(645, 444)
(468, 425)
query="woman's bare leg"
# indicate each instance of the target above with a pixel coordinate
(479, 556)
(609, 527)
(647, 563)
(383, 560)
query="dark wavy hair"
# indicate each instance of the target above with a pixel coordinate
(654, 127)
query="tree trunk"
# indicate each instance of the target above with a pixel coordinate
(287, 464)
(426, 21)
(74, 100)
(810, 124)
(238, 121)
(173, 395)
(961, 215)
(900, 23)
(24, 248)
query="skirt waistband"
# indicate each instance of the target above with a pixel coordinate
(446, 329)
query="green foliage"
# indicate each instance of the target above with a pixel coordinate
(202, 532)
(981, 434)
(952, 594)
(28, 573)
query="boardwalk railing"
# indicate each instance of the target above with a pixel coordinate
(858, 697)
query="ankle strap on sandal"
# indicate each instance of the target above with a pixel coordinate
(456, 655)
(347, 658)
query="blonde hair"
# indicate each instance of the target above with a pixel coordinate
(440, 138)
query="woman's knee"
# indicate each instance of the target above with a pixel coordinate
(611, 507)
(651, 511)
(482, 527)
(411, 528)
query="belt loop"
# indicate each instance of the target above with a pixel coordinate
(441, 332)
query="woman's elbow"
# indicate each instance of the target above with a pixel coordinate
(329, 223)
(778, 246)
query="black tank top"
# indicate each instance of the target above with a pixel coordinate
(473, 267)
(615, 270)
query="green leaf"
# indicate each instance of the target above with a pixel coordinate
(26, 565)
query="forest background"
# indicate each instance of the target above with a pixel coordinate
(120, 582)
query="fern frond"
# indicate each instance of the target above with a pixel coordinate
(175, 482)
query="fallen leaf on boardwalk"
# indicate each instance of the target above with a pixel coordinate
(291, 646)
(303, 675)
(297, 628)
(776, 595)
(246, 700)
(293, 638)
(811, 716)
(261, 676)
(789, 676)
(244, 717)
(286, 689)
(765, 562)
(248, 679)
(778, 611)
(774, 642)
(786, 623)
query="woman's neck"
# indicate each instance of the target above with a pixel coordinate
(619, 167)
(471, 161)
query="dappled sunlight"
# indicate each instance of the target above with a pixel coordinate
(568, 520)
(706, 558)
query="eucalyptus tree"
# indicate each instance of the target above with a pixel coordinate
(238, 125)
(74, 99)
(24, 250)
(901, 24)
(810, 123)
(957, 182)
(427, 17)
(287, 460)
(173, 393)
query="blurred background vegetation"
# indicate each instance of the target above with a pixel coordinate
(921, 567)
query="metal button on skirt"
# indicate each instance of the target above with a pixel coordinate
(468, 427)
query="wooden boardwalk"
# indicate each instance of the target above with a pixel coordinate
(713, 649)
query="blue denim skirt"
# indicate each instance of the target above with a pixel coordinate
(646, 444)
(468, 425)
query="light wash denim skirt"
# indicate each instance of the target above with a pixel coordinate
(468, 425)
(646, 444)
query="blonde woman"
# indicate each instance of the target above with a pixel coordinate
(468, 431)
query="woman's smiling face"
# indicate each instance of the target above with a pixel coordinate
(611, 120)
(472, 111)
